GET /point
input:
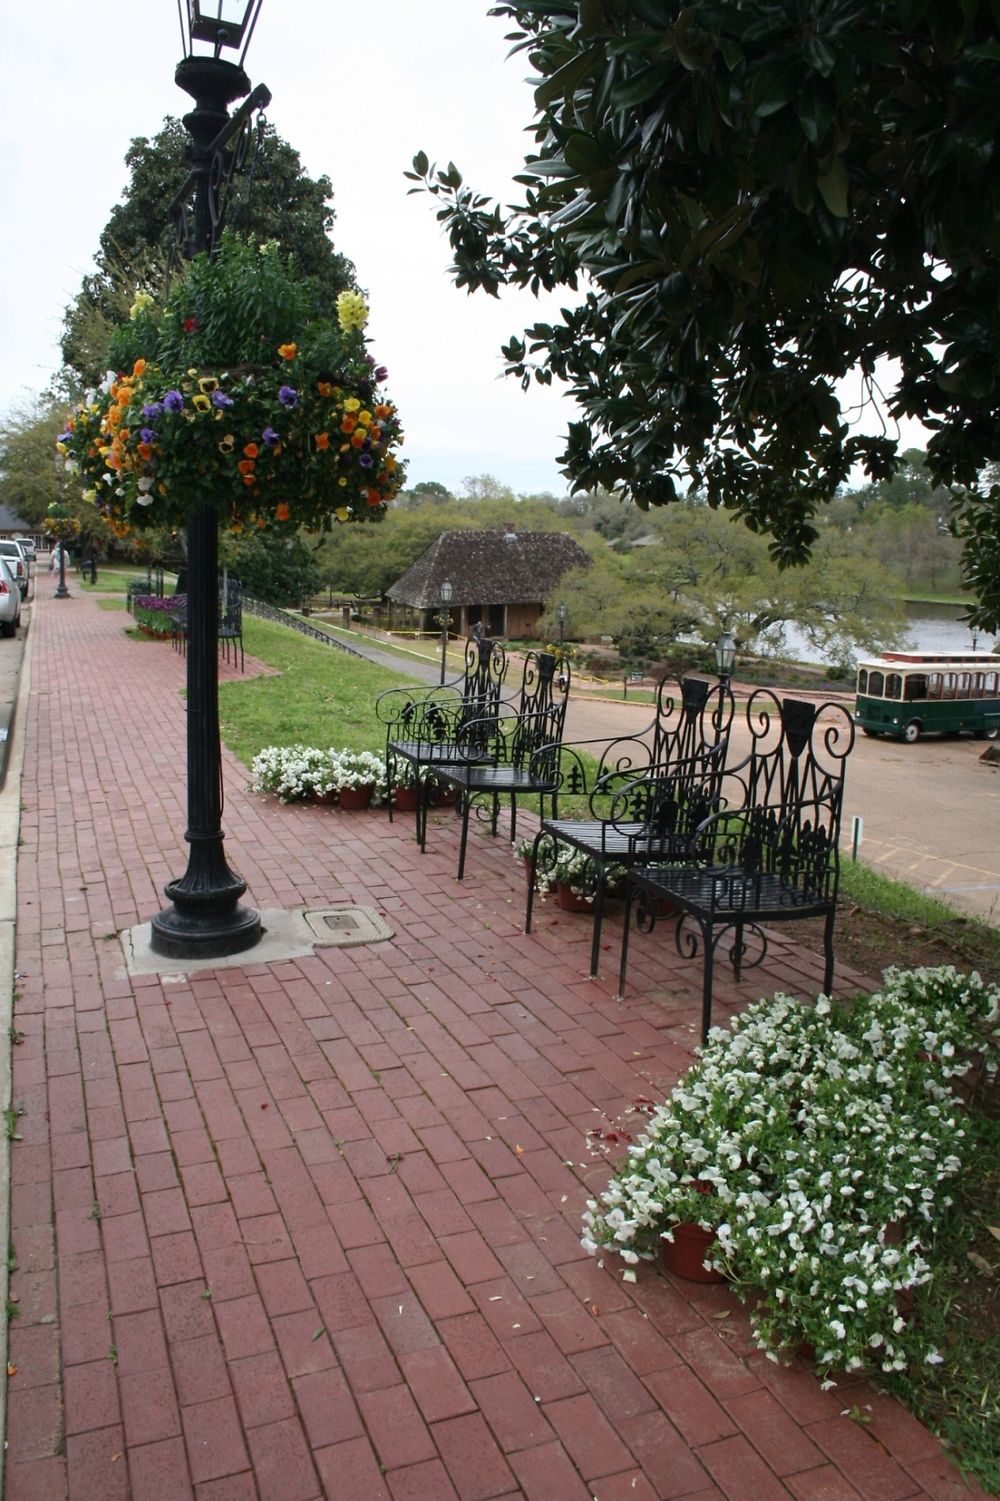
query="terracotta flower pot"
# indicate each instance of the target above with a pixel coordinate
(325, 797)
(685, 1254)
(568, 901)
(406, 799)
(353, 799)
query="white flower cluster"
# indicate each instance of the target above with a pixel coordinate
(562, 865)
(815, 1140)
(300, 772)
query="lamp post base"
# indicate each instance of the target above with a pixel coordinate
(199, 929)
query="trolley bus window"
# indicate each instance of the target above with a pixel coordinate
(894, 685)
(916, 686)
(863, 680)
(876, 684)
(934, 685)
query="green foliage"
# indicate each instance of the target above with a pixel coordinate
(280, 202)
(757, 204)
(277, 569)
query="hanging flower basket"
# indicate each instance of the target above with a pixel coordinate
(239, 392)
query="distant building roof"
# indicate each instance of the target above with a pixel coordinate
(11, 522)
(489, 568)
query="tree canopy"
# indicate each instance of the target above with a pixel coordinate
(278, 201)
(754, 201)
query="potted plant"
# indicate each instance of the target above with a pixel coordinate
(826, 1135)
(572, 875)
(355, 776)
(406, 782)
(295, 773)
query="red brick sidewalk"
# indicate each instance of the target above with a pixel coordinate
(310, 1229)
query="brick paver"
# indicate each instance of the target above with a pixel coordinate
(311, 1228)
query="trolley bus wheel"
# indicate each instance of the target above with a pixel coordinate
(987, 734)
(912, 732)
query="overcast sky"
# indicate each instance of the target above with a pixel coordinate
(357, 90)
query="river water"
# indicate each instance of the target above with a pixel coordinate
(931, 628)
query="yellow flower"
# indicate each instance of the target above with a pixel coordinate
(201, 403)
(352, 310)
(342, 513)
(342, 480)
(352, 404)
(208, 384)
(364, 418)
(288, 351)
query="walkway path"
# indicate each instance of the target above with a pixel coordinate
(310, 1229)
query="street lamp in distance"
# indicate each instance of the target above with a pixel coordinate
(447, 594)
(561, 614)
(725, 657)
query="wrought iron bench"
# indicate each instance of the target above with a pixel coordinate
(514, 752)
(650, 792)
(770, 851)
(425, 727)
(231, 620)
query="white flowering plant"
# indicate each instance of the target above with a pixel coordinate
(562, 865)
(815, 1140)
(297, 773)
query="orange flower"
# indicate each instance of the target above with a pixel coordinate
(322, 440)
(145, 450)
(288, 351)
(359, 438)
(282, 511)
(323, 387)
(249, 479)
(373, 498)
(245, 466)
(251, 450)
(139, 368)
(383, 410)
(349, 424)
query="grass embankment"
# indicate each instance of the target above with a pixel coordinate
(324, 697)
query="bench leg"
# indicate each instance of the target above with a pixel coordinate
(532, 872)
(738, 951)
(706, 981)
(388, 786)
(595, 943)
(466, 803)
(828, 952)
(633, 892)
(513, 818)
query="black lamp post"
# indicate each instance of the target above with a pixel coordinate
(59, 516)
(561, 613)
(205, 918)
(447, 592)
(725, 657)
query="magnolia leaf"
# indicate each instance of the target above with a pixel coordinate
(834, 185)
(980, 1263)
(994, 1231)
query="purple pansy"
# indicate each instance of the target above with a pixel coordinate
(173, 401)
(270, 436)
(152, 410)
(147, 435)
(288, 396)
(365, 460)
(220, 399)
(381, 373)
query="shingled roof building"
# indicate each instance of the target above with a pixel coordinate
(499, 579)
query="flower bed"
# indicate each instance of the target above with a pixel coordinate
(301, 773)
(152, 612)
(816, 1142)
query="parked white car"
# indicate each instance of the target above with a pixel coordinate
(27, 547)
(13, 555)
(10, 601)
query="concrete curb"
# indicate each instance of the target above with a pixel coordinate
(10, 828)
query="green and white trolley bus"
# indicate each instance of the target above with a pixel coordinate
(909, 694)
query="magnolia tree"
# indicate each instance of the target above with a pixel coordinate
(753, 202)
